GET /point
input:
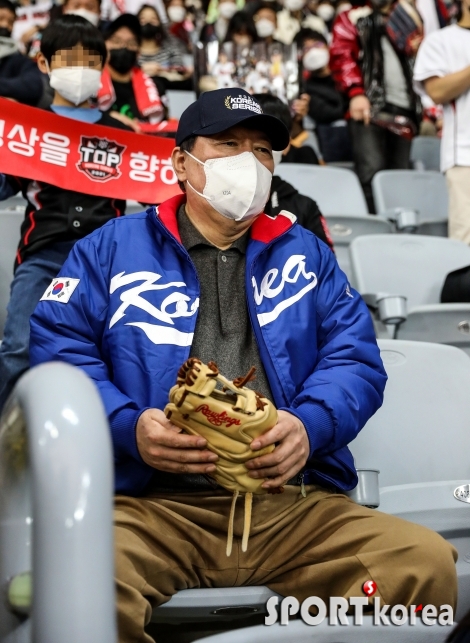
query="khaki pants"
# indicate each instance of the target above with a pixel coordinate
(458, 184)
(322, 545)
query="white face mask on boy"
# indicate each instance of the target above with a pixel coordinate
(236, 186)
(75, 84)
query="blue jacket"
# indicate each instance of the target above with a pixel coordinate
(129, 309)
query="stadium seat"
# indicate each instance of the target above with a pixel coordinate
(299, 632)
(10, 222)
(420, 441)
(179, 100)
(56, 485)
(426, 153)
(344, 228)
(336, 190)
(424, 192)
(16, 203)
(415, 267)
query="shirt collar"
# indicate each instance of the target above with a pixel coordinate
(191, 237)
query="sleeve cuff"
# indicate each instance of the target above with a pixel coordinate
(356, 91)
(317, 422)
(123, 427)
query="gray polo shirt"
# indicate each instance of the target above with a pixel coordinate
(223, 331)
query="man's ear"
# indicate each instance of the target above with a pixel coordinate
(42, 63)
(178, 159)
(284, 152)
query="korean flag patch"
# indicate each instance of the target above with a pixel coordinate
(61, 289)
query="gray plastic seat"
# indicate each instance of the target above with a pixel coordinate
(299, 632)
(425, 153)
(336, 190)
(16, 203)
(424, 192)
(415, 266)
(179, 100)
(420, 442)
(344, 228)
(10, 222)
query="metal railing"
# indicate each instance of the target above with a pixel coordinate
(56, 494)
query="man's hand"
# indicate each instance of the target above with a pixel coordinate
(289, 456)
(164, 446)
(300, 106)
(359, 108)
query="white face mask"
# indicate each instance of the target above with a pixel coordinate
(294, 5)
(92, 17)
(277, 157)
(227, 10)
(316, 58)
(325, 12)
(236, 186)
(176, 13)
(343, 7)
(264, 27)
(75, 84)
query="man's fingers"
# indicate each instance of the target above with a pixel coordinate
(276, 434)
(178, 467)
(169, 438)
(275, 469)
(182, 455)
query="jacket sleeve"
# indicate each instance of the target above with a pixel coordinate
(26, 85)
(344, 57)
(346, 387)
(72, 332)
(326, 107)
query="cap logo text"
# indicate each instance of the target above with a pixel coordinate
(242, 102)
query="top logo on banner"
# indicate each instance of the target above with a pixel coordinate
(100, 158)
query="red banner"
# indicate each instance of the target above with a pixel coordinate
(98, 160)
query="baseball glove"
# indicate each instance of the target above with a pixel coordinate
(229, 418)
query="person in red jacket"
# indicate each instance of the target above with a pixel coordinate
(371, 62)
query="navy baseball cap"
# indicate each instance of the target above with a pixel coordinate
(218, 110)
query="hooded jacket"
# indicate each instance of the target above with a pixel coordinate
(124, 309)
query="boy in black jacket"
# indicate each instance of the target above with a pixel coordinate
(73, 53)
(283, 195)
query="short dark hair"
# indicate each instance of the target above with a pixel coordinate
(187, 146)
(241, 22)
(274, 106)
(69, 31)
(309, 34)
(6, 4)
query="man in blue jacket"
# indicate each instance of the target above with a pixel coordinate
(207, 274)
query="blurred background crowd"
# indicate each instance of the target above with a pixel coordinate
(340, 74)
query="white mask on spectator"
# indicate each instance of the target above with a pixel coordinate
(264, 27)
(343, 7)
(227, 10)
(294, 5)
(236, 186)
(325, 11)
(7, 46)
(75, 84)
(316, 58)
(176, 13)
(277, 157)
(92, 17)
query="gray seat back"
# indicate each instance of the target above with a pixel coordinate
(425, 153)
(411, 265)
(425, 192)
(422, 432)
(336, 190)
(179, 100)
(10, 223)
(441, 323)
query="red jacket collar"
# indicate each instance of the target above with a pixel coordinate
(264, 229)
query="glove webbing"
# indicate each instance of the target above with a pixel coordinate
(246, 521)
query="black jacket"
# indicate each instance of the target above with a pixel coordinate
(53, 214)
(285, 197)
(20, 79)
(327, 104)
